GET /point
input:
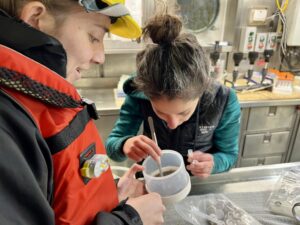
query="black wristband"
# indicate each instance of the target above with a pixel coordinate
(127, 213)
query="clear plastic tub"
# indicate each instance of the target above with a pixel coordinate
(175, 177)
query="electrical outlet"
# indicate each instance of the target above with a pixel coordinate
(261, 42)
(272, 41)
(247, 40)
(258, 16)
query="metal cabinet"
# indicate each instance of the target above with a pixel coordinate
(295, 156)
(265, 134)
(295, 153)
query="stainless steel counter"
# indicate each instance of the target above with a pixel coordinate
(248, 187)
(107, 104)
(261, 103)
(246, 179)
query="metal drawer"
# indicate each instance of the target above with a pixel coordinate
(273, 160)
(295, 156)
(267, 143)
(260, 161)
(273, 117)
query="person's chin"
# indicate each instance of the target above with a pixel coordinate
(74, 76)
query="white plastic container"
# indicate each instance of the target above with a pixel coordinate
(175, 185)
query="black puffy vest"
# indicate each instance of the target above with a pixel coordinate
(196, 133)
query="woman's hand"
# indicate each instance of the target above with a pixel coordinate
(201, 164)
(130, 187)
(149, 207)
(139, 147)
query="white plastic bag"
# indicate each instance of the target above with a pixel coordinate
(213, 209)
(285, 197)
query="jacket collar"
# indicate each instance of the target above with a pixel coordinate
(32, 43)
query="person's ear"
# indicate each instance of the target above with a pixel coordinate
(32, 12)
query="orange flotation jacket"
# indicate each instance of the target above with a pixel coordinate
(66, 123)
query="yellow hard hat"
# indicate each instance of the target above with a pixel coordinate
(123, 24)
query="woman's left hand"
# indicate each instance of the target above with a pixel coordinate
(129, 186)
(201, 164)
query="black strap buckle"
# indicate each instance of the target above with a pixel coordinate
(91, 108)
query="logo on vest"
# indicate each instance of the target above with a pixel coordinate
(206, 129)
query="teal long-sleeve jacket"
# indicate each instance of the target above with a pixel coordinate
(225, 138)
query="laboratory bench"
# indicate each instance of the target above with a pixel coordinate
(269, 134)
(248, 188)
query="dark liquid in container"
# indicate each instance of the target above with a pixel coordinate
(165, 172)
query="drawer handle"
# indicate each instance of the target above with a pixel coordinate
(272, 111)
(261, 161)
(267, 138)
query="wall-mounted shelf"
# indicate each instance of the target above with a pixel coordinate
(132, 47)
(122, 51)
(122, 47)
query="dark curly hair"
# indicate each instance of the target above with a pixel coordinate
(174, 65)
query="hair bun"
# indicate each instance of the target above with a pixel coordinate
(163, 29)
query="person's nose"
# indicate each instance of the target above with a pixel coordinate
(98, 55)
(172, 122)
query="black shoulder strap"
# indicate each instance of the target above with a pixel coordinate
(23, 84)
(65, 137)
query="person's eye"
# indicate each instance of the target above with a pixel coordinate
(160, 113)
(93, 39)
(183, 113)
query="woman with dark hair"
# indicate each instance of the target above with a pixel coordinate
(189, 110)
(54, 168)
